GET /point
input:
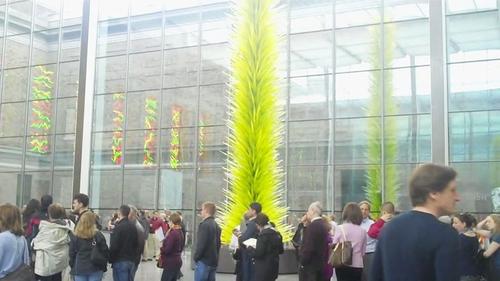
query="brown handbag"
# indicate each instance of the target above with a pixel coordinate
(341, 252)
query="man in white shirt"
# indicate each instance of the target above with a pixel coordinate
(370, 242)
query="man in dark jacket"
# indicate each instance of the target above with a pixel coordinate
(206, 255)
(251, 231)
(124, 247)
(268, 250)
(312, 251)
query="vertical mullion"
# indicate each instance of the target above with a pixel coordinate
(439, 89)
(125, 123)
(160, 117)
(333, 112)
(287, 108)
(382, 102)
(197, 128)
(56, 95)
(27, 101)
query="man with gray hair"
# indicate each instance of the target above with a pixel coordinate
(312, 251)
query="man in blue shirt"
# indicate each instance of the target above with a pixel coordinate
(416, 246)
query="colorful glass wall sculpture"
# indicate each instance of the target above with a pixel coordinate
(41, 109)
(118, 122)
(150, 123)
(175, 138)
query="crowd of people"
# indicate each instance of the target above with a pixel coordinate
(430, 242)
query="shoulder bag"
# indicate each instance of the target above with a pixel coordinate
(23, 273)
(341, 252)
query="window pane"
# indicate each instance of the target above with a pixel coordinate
(70, 45)
(184, 100)
(39, 152)
(396, 10)
(12, 119)
(350, 182)
(353, 96)
(19, 17)
(139, 188)
(17, 51)
(407, 43)
(308, 184)
(112, 37)
(397, 176)
(181, 67)
(41, 117)
(215, 64)
(141, 105)
(473, 37)
(145, 7)
(43, 79)
(2, 20)
(15, 81)
(464, 6)
(68, 79)
(12, 154)
(66, 116)
(47, 14)
(64, 152)
(356, 48)
(213, 146)
(144, 71)
(478, 186)
(475, 136)
(353, 138)
(356, 12)
(106, 189)
(106, 108)
(310, 15)
(178, 147)
(72, 12)
(474, 86)
(102, 150)
(36, 184)
(62, 191)
(215, 26)
(213, 104)
(408, 139)
(145, 32)
(310, 97)
(110, 74)
(181, 29)
(211, 183)
(10, 187)
(111, 9)
(45, 46)
(135, 154)
(311, 53)
(410, 90)
(176, 189)
(309, 142)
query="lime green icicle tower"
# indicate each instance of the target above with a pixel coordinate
(254, 127)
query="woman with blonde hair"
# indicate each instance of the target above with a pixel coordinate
(86, 239)
(492, 223)
(13, 247)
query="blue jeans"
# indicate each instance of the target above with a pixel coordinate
(203, 272)
(96, 276)
(123, 271)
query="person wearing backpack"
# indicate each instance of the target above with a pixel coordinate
(88, 251)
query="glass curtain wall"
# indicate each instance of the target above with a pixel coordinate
(473, 43)
(39, 57)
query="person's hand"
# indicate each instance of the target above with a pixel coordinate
(386, 217)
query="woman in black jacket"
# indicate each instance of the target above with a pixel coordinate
(83, 266)
(269, 247)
